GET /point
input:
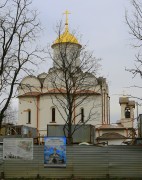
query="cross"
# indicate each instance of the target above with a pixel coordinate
(67, 13)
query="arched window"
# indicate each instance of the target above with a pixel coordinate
(82, 115)
(127, 112)
(53, 114)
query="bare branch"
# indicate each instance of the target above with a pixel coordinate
(135, 29)
(19, 28)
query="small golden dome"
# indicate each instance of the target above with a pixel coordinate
(66, 37)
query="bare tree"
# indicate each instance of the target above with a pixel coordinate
(3, 3)
(134, 23)
(10, 115)
(19, 29)
(73, 81)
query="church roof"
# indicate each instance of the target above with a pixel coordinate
(57, 91)
(112, 135)
(66, 37)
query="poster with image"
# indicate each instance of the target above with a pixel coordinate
(55, 152)
(18, 148)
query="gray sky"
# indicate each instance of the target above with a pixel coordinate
(102, 26)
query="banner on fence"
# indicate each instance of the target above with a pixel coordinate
(18, 148)
(55, 152)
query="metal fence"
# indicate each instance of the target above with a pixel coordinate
(82, 162)
(84, 133)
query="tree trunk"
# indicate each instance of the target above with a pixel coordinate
(69, 138)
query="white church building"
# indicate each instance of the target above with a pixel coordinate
(42, 99)
(39, 96)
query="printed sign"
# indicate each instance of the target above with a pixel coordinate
(18, 148)
(55, 152)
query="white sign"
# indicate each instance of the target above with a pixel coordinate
(18, 148)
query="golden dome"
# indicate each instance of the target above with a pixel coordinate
(66, 37)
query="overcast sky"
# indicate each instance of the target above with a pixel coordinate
(102, 26)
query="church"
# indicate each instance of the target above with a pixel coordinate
(69, 86)
(70, 93)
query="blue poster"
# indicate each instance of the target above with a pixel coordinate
(55, 152)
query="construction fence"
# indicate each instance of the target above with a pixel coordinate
(81, 162)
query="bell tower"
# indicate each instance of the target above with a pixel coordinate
(127, 111)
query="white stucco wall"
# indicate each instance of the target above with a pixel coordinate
(25, 104)
(92, 106)
(93, 103)
(46, 105)
(46, 113)
(71, 51)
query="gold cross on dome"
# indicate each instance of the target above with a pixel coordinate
(67, 13)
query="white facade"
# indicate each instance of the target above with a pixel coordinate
(39, 102)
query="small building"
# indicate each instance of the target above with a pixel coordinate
(123, 131)
(114, 134)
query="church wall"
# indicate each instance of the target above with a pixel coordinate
(46, 111)
(71, 51)
(93, 105)
(93, 102)
(123, 106)
(127, 122)
(106, 107)
(26, 104)
(46, 106)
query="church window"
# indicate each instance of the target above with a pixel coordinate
(127, 112)
(53, 114)
(82, 115)
(29, 116)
